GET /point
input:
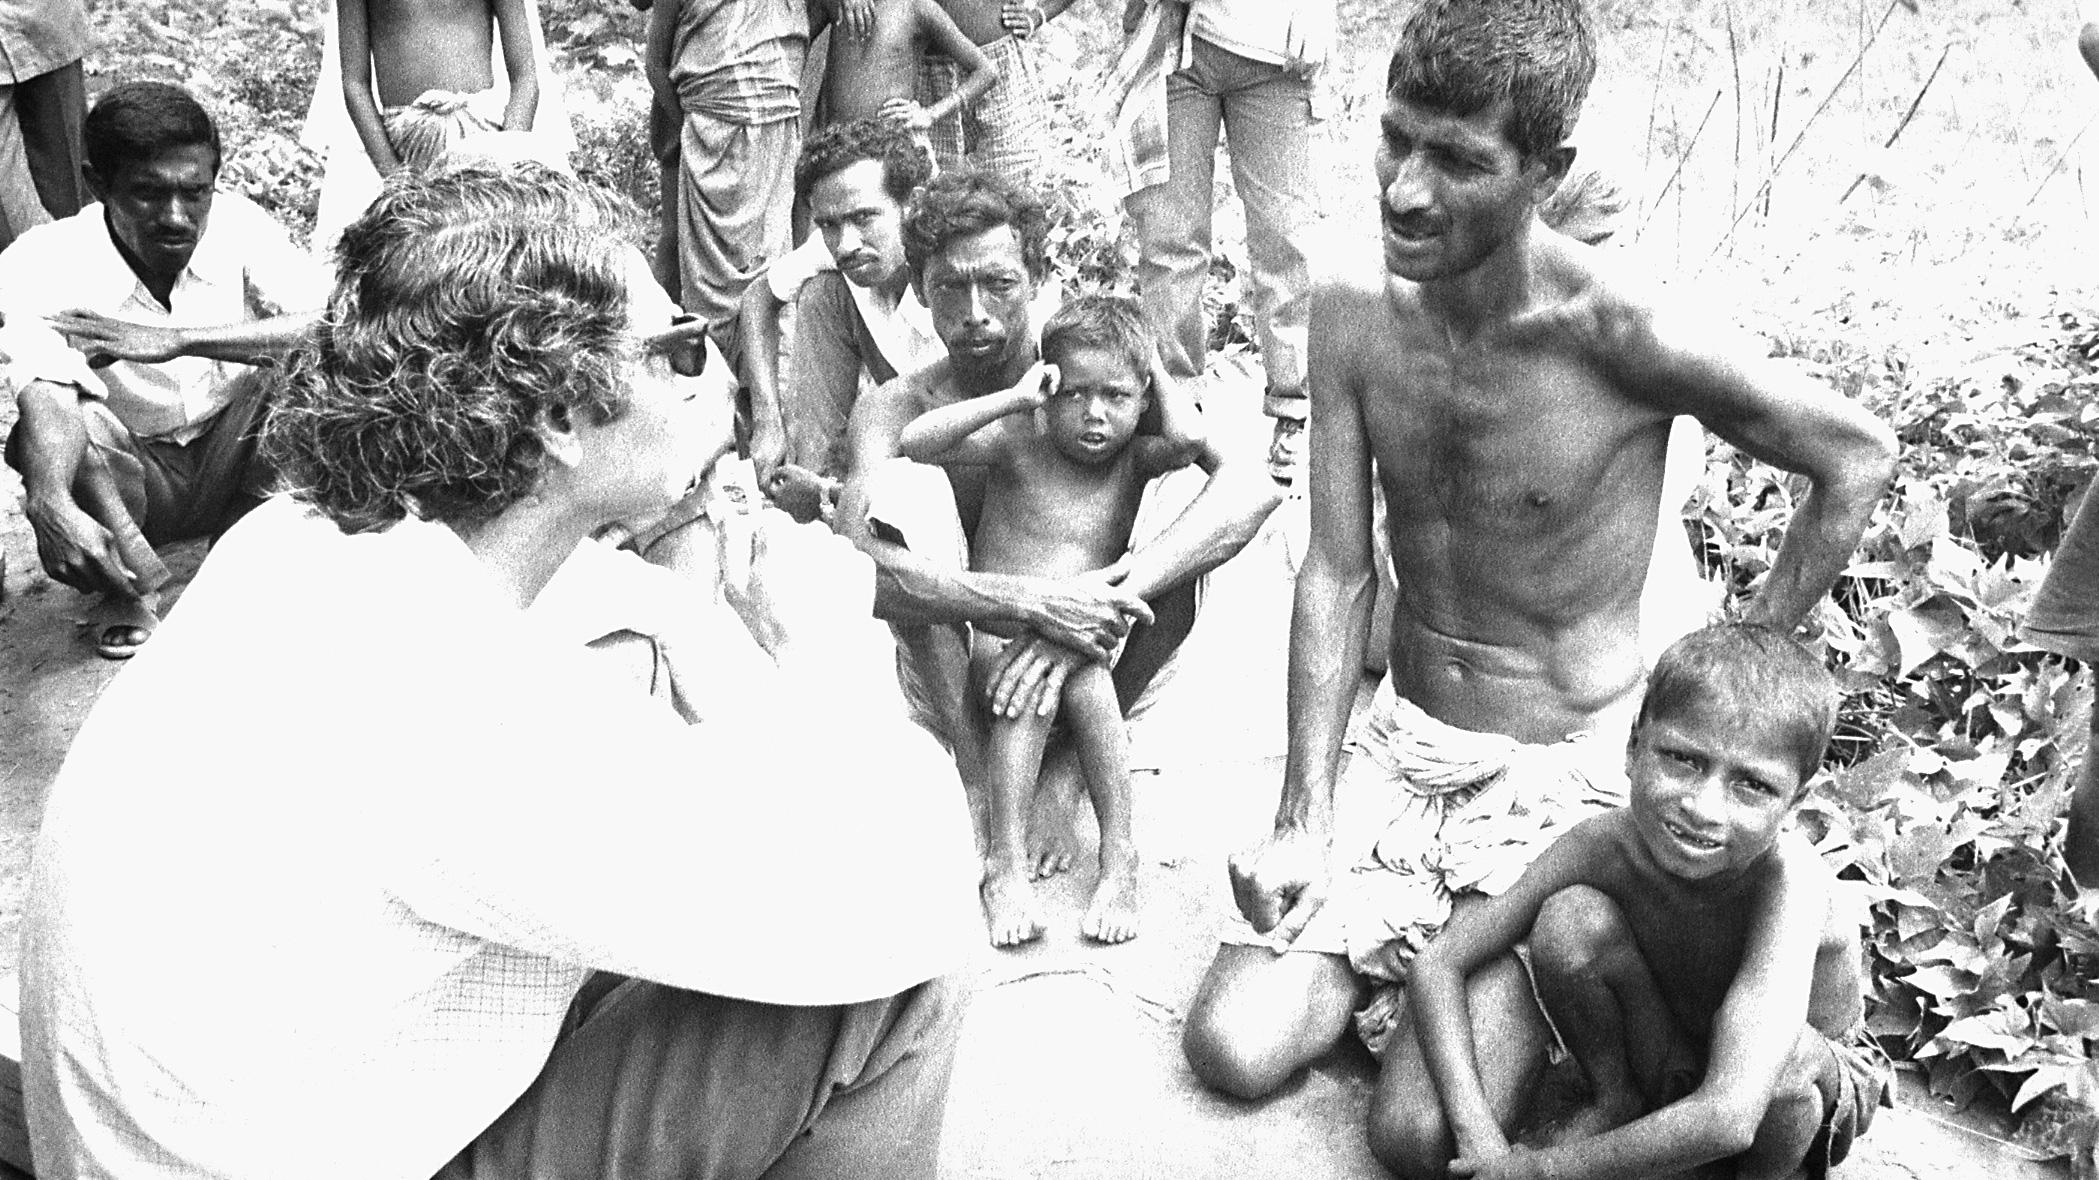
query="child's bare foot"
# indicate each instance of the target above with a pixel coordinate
(1112, 915)
(1053, 828)
(1009, 907)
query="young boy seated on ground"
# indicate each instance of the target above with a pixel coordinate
(429, 62)
(1686, 948)
(1066, 470)
(877, 76)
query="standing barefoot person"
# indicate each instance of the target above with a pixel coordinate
(1510, 390)
(1067, 469)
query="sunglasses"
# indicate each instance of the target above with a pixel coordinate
(683, 345)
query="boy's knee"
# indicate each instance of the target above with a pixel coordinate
(1411, 1139)
(1576, 930)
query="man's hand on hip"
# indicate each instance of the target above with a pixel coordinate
(1282, 881)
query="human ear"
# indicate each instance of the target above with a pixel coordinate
(558, 439)
(1548, 168)
(97, 187)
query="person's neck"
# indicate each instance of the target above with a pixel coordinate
(890, 292)
(976, 380)
(1497, 290)
(160, 286)
(523, 546)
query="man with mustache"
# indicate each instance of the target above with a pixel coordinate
(857, 321)
(1510, 390)
(135, 343)
(977, 247)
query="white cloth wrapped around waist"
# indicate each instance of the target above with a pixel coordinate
(1467, 811)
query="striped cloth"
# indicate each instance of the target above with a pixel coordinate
(1138, 159)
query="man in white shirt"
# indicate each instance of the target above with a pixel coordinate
(133, 339)
(368, 943)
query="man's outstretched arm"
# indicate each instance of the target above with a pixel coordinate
(104, 338)
(1783, 418)
(1281, 882)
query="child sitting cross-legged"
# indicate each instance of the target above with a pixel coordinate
(1066, 470)
(1687, 949)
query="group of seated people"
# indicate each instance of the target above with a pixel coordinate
(540, 843)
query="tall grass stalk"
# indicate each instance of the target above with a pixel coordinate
(1763, 190)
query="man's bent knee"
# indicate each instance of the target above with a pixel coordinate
(1260, 1017)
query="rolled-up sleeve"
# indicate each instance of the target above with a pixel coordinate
(33, 350)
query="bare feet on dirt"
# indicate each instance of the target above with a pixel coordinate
(1053, 829)
(1009, 906)
(1112, 915)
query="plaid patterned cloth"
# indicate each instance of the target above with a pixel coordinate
(1138, 89)
(1003, 132)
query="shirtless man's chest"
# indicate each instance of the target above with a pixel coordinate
(1521, 490)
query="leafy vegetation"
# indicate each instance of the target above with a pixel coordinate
(1958, 742)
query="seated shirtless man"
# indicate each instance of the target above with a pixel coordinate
(1513, 388)
(977, 247)
(1066, 470)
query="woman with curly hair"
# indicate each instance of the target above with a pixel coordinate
(432, 890)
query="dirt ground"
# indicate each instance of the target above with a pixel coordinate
(1070, 1063)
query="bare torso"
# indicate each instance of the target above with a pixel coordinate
(1522, 485)
(423, 45)
(1694, 943)
(862, 75)
(978, 19)
(1044, 514)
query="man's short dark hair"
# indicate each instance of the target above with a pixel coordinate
(1114, 323)
(137, 121)
(472, 305)
(964, 201)
(905, 164)
(1751, 669)
(1463, 56)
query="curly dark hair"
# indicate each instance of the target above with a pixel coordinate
(965, 201)
(1463, 56)
(471, 305)
(905, 164)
